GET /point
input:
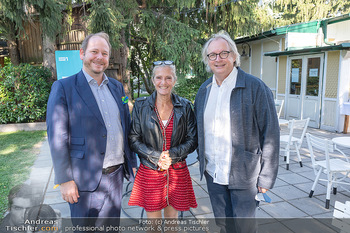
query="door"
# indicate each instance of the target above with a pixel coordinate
(305, 82)
(294, 91)
(312, 97)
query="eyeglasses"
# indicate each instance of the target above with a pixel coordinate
(159, 63)
(223, 55)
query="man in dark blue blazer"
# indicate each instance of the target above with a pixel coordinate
(88, 123)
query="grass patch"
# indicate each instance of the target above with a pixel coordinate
(141, 95)
(18, 152)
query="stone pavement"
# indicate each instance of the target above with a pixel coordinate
(290, 198)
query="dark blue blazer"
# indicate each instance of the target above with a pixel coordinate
(77, 134)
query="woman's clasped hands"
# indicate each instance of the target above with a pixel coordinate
(164, 161)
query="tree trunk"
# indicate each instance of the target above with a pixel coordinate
(2, 62)
(13, 51)
(124, 69)
(146, 78)
(49, 61)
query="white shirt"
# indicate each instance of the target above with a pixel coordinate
(217, 129)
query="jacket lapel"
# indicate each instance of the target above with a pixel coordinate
(84, 90)
(202, 99)
(152, 102)
(240, 83)
(177, 110)
(117, 95)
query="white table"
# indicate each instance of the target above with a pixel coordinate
(345, 109)
(342, 141)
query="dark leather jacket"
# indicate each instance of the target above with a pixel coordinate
(146, 137)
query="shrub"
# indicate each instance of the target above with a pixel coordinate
(24, 91)
(188, 88)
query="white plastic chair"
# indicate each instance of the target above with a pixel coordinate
(332, 167)
(279, 106)
(341, 216)
(292, 143)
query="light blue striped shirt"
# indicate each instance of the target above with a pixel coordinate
(111, 117)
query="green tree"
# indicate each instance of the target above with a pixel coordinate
(15, 14)
(148, 30)
(12, 15)
(239, 18)
(157, 33)
(113, 17)
(294, 11)
(50, 16)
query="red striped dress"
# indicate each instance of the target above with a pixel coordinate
(154, 190)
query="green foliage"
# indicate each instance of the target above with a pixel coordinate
(169, 39)
(158, 32)
(188, 87)
(7, 61)
(50, 15)
(69, 15)
(238, 18)
(175, 30)
(12, 14)
(136, 95)
(15, 14)
(295, 11)
(108, 16)
(24, 91)
(17, 156)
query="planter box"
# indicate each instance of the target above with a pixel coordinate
(23, 126)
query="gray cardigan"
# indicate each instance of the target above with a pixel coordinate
(255, 132)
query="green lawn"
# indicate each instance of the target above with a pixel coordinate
(141, 95)
(18, 151)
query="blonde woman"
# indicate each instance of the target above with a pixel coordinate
(163, 133)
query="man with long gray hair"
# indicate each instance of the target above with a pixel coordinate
(238, 136)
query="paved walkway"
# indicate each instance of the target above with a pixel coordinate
(289, 196)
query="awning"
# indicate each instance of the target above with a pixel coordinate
(343, 46)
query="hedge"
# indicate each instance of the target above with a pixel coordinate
(188, 88)
(24, 91)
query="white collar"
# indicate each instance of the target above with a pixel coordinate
(230, 80)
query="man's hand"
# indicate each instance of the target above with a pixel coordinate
(134, 169)
(69, 192)
(262, 190)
